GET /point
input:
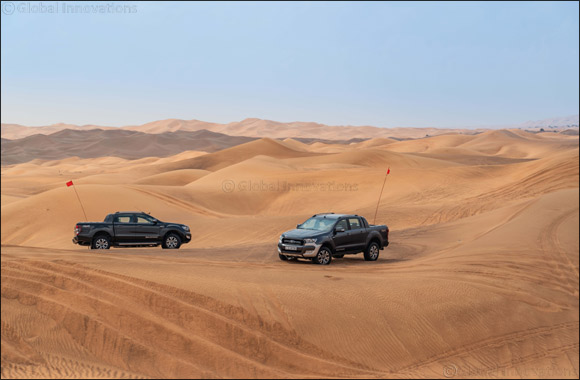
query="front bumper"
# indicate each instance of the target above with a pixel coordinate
(307, 250)
(186, 238)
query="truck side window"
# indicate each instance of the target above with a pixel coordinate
(143, 220)
(342, 224)
(123, 219)
(354, 223)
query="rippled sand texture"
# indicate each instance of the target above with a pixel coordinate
(480, 280)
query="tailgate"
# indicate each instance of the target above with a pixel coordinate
(383, 231)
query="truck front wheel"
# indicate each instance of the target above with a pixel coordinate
(101, 242)
(323, 257)
(171, 241)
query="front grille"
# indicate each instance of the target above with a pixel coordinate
(292, 241)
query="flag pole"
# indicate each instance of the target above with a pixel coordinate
(379, 201)
(79, 198)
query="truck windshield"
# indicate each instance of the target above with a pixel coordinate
(317, 223)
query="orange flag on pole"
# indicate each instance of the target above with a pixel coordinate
(69, 184)
(379, 201)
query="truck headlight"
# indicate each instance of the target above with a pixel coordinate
(185, 228)
(280, 239)
(311, 241)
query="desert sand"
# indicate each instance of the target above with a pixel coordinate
(480, 279)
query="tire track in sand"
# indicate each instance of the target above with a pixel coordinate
(228, 320)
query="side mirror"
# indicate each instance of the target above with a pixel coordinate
(155, 221)
(298, 225)
(339, 229)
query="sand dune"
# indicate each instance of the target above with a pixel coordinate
(503, 143)
(230, 156)
(9, 198)
(118, 143)
(371, 143)
(296, 145)
(274, 129)
(480, 279)
(17, 131)
(516, 144)
(173, 178)
(255, 127)
(172, 125)
(252, 127)
(272, 179)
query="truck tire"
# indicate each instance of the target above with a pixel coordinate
(323, 257)
(101, 242)
(283, 257)
(171, 241)
(372, 252)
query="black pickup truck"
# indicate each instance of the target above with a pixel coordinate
(135, 229)
(329, 235)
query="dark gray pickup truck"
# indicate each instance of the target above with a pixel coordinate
(131, 229)
(329, 235)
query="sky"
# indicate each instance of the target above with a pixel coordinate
(382, 64)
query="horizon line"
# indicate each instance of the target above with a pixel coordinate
(472, 127)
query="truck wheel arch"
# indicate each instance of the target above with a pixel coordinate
(101, 233)
(173, 231)
(374, 239)
(329, 246)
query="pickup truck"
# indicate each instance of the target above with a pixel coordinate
(329, 235)
(135, 229)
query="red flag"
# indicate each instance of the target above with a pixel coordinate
(69, 183)
(388, 170)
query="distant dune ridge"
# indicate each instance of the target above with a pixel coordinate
(168, 137)
(254, 127)
(17, 131)
(118, 143)
(251, 127)
(480, 279)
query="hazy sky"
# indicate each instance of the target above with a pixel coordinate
(382, 64)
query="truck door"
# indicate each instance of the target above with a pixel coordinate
(146, 229)
(358, 235)
(123, 228)
(341, 238)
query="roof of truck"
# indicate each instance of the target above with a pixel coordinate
(331, 215)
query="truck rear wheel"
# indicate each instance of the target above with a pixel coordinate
(372, 252)
(323, 257)
(171, 241)
(101, 242)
